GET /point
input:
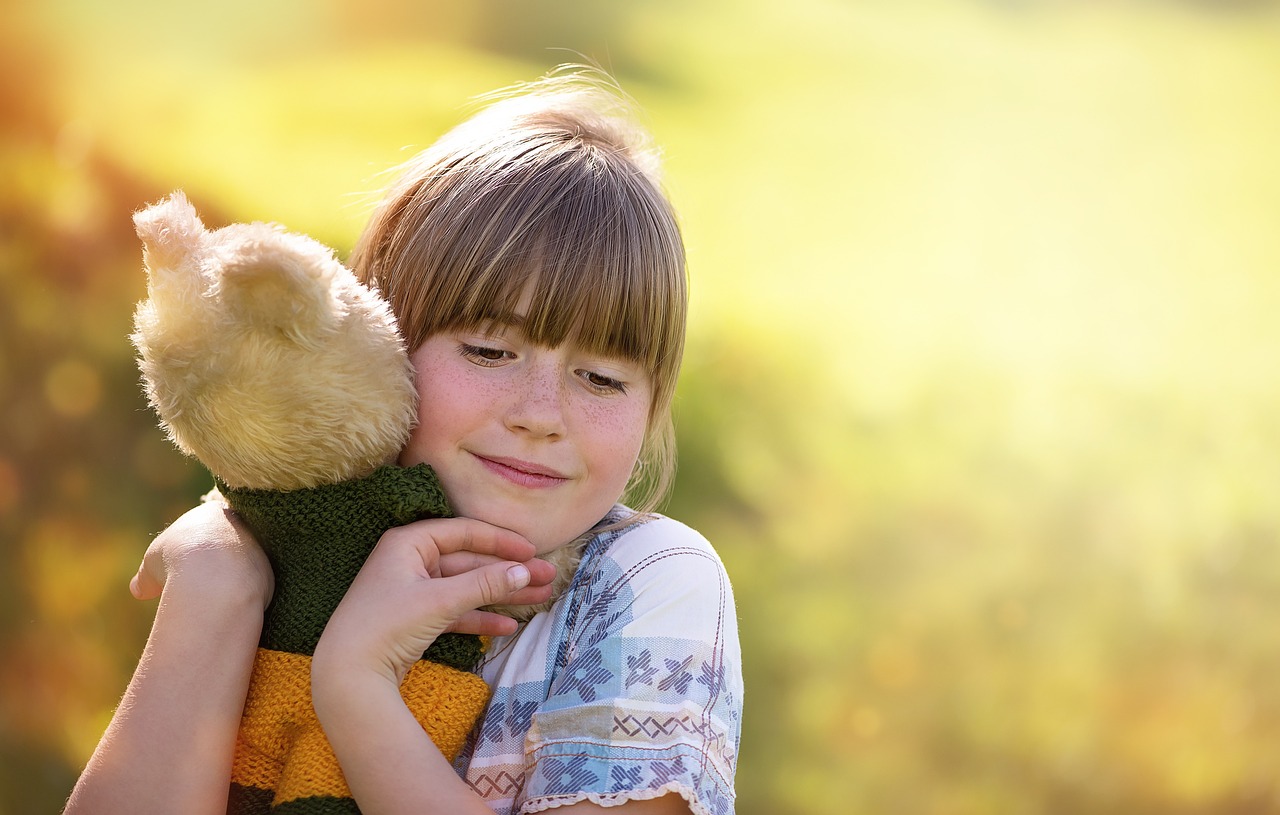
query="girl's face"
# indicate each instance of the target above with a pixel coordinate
(539, 440)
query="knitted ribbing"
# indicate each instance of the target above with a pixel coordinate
(317, 539)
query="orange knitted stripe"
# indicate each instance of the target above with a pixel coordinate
(281, 746)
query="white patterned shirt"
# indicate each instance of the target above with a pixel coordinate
(630, 687)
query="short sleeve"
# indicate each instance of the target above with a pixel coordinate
(645, 696)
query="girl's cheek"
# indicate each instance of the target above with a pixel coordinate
(622, 430)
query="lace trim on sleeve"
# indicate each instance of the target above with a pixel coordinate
(548, 802)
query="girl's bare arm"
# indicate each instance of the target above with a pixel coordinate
(169, 745)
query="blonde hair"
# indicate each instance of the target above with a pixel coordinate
(551, 192)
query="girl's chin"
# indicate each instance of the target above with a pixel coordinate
(543, 539)
(546, 533)
(544, 542)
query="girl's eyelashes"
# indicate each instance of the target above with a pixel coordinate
(603, 384)
(482, 354)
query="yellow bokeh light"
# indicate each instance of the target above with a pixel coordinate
(73, 388)
(69, 567)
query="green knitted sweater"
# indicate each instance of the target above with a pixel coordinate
(317, 539)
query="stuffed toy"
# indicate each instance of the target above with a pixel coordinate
(267, 361)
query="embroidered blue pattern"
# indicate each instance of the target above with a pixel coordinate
(641, 671)
(585, 673)
(568, 776)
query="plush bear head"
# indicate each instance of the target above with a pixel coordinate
(264, 357)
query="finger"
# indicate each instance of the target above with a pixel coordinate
(487, 623)
(484, 624)
(529, 596)
(541, 572)
(456, 563)
(145, 587)
(468, 535)
(485, 586)
(501, 581)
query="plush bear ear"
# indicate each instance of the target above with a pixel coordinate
(172, 244)
(273, 279)
(170, 229)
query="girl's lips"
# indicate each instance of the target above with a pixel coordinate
(522, 473)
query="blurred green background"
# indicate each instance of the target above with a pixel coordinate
(980, 405)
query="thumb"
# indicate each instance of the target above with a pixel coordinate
(494, 584)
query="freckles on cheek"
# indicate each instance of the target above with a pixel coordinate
(450, 399)
(442, 383)
(623, 430)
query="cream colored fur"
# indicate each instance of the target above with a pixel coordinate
(269, 362)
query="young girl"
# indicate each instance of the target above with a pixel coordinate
(537, 272)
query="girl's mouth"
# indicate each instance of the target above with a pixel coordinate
(523, 473)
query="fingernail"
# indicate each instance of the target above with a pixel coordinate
(518, 576)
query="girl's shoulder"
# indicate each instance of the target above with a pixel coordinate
(655, 543)
(656, 565)
(653, 531)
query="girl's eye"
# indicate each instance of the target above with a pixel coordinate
(482, 355)
(604, 384)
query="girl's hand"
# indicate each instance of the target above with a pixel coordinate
(422, 580)
(210, 545)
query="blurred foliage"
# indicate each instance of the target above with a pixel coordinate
(980, 399)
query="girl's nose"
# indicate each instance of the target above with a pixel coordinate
(537, 406)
